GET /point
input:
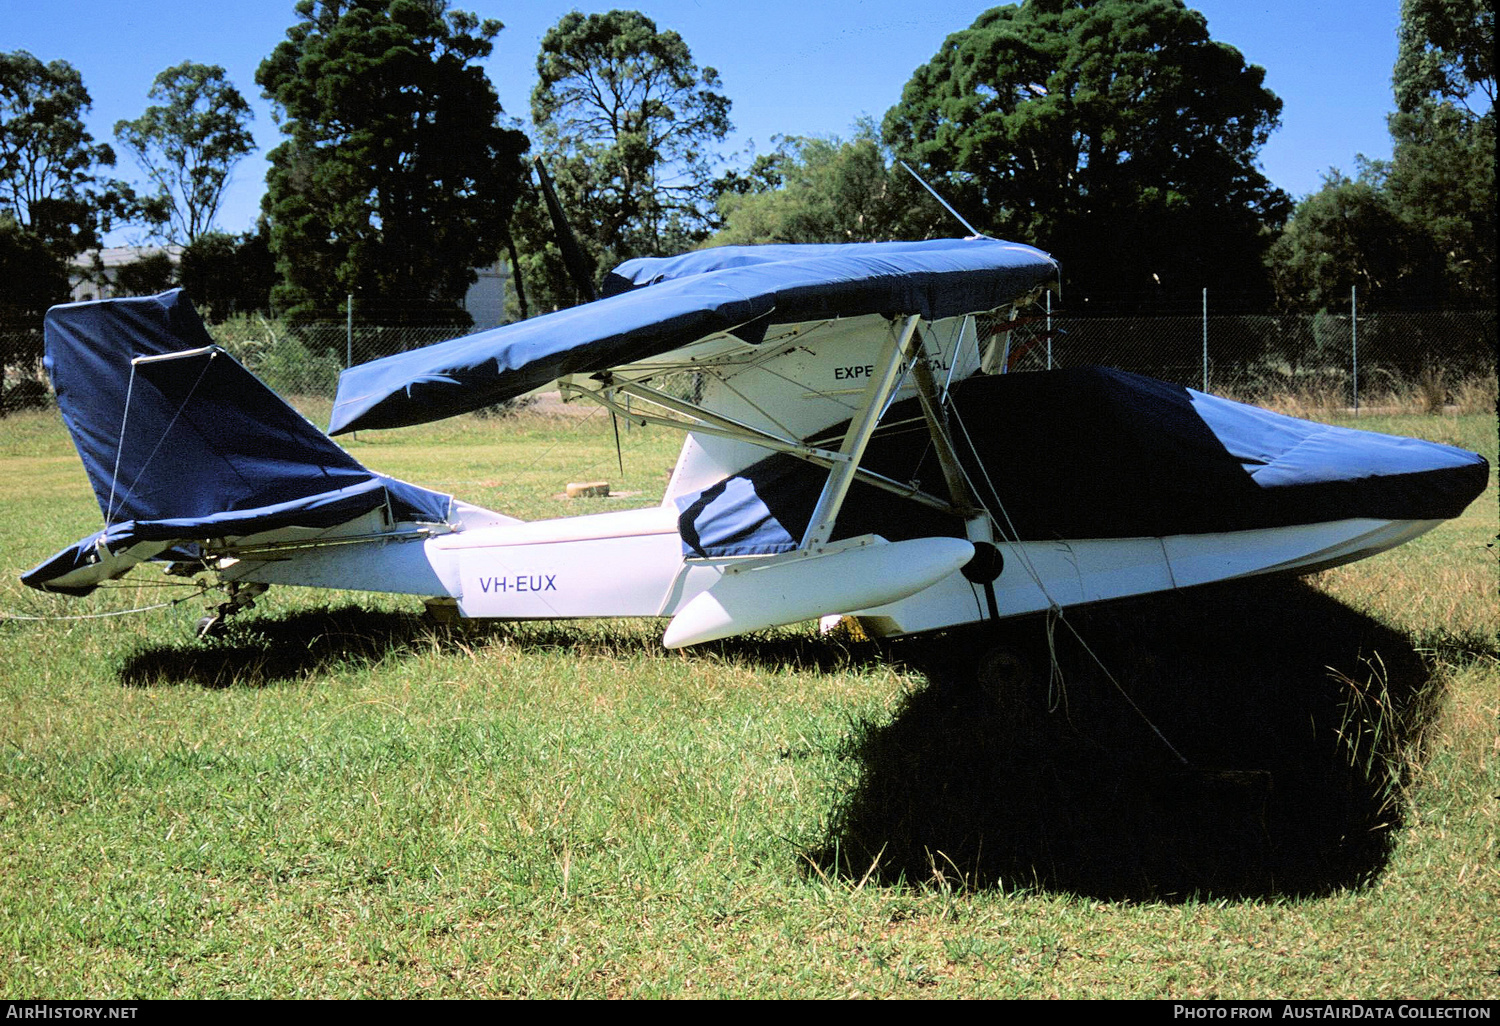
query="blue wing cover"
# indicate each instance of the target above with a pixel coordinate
(181, 442)
(655, 305)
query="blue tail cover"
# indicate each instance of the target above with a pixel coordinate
(181, 442)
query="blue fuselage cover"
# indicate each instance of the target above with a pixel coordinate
(653, 306)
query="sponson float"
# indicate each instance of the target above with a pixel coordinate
(845, 453)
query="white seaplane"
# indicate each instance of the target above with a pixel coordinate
(846, 453)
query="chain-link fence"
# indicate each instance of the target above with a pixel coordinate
(23, 386)
(1326, 357)
(1331, 358)
(305, 361)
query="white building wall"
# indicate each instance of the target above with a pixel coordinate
(485, 300)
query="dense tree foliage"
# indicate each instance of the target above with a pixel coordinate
(624, 121)
(828, 190)
(1442, 174)
(31, 278)
(1443, 178)
(188, 143)
(146, 275)
(1418, 230)
(1114, 133)
(54, 199)
(1350, 234)
(228, 274)
(1446, 54)
(397, 176)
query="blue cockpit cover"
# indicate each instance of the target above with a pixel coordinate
(653, 306)
(194, 446)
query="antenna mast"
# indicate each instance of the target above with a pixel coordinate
(946, 205)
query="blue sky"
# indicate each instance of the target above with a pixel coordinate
(799, 68)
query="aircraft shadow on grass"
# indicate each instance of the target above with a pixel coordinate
(1293, 714)
(302, 645)
(1297, 718)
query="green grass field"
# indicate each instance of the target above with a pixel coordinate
(336, 799)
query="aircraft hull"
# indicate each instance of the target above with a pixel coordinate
(631, 564)
(1039, 575)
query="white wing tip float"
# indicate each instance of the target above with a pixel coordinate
(806, 584)
(845, 454)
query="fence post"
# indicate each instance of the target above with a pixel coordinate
(1049, 329)
(349, 333)
(1354, 340)
(1205, 340)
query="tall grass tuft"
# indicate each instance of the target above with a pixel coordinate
(1382, 731)
(1433, 391)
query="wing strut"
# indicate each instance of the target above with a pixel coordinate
(942, 442)
(900, 346)
(817, 577)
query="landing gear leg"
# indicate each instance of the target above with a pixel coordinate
(241, 596)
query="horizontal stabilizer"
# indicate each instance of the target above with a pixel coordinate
(89, 562)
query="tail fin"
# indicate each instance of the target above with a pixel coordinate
(182, 443)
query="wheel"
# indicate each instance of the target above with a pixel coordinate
(1006, 674)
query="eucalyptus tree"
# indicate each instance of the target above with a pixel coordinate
(1417, 230)
(52, 173)
(1442, 173)
(1350, 234)
(811, 189)
(626, 125)
(188, 143)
